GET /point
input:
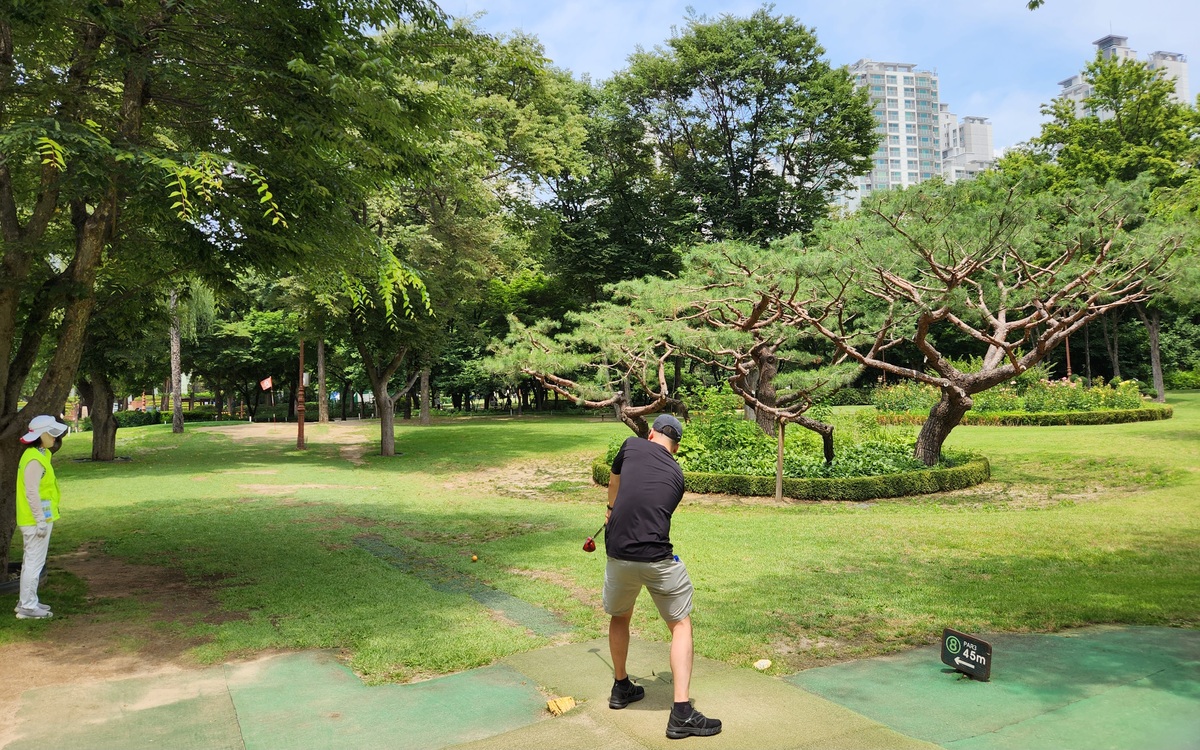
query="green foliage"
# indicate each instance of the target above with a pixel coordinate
(1148, 412)
(849, 397)
(720, 440)
(906, 396)
(138, 418)
(957, 472)
(1181, 379)
(1073, 395)
(754, 127)
(1038, 396)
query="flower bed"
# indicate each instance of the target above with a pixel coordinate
(1148, 413)
(1025, 401)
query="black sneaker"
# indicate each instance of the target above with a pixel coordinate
(622, 696)
(696, 725)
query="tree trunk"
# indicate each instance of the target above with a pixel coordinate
(220, 401)
(176, 367)
(10, 456)
(97, 393)
(636, 422)
(768, 368)
(779, 462)
(293, 392)
(822, 429)
(1087, 352)
(407, 407)
(426, 415)
(1112, 344)
(943, 417)
(386, 409)
(1153, 323)
(346, 396)
(322, 391)
(677, 380)
(752, 387)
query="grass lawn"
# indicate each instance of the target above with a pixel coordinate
(1079, 525)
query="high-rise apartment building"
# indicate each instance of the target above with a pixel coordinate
(967, 146)
(905, 103)
(1171, 65)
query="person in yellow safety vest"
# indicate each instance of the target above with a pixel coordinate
(37, 509)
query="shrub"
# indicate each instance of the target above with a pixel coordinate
(1018, 395)
(1000, 398)
(956, 472)
(1145, 413)
(1183, 379)
(139, 418)
(907, 395)
(849, 397)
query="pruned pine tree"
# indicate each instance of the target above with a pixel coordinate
(1013, 268)
(607, 357)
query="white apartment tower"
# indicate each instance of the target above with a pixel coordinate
(967, 146)
(1170, 64)
(905, 103)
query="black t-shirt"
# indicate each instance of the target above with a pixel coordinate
(639, 528)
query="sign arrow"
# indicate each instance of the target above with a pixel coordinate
(962, 663)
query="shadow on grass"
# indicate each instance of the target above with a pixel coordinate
(438, 449)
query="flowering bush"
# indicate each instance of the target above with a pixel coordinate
(908, 395)
(1037, 396)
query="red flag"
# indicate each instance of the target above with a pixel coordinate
(266, 383)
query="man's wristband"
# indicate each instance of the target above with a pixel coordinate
(610, 507)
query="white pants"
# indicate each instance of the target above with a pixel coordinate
(31, 566)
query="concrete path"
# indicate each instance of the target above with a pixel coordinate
(1120, 688)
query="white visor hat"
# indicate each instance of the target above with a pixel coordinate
(42, 424)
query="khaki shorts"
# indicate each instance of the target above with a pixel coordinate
(666, 580)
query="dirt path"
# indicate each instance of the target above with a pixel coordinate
(94, 646)
(353, 439)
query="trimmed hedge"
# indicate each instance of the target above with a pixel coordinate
(973, 472)
(1148, 413)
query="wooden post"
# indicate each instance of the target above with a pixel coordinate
(300, 402)
(779, 462)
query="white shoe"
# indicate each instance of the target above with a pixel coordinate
(34, 614)
(40, 606)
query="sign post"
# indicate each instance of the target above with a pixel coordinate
(967, 654)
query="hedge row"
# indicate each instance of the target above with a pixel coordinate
(970, 473)
(1148, 413)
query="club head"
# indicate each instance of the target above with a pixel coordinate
(589, 545)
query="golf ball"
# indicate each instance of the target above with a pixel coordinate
(474, 558)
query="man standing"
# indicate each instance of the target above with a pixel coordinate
(645, 487)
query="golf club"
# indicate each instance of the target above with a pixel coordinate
(590, 544)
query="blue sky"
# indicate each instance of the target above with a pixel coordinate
(995, 58)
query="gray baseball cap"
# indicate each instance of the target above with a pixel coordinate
(669, 426)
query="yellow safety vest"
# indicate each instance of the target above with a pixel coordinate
(47, 488)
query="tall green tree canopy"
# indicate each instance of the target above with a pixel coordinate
(254, 124)
(1130, 128)
(756, 128)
